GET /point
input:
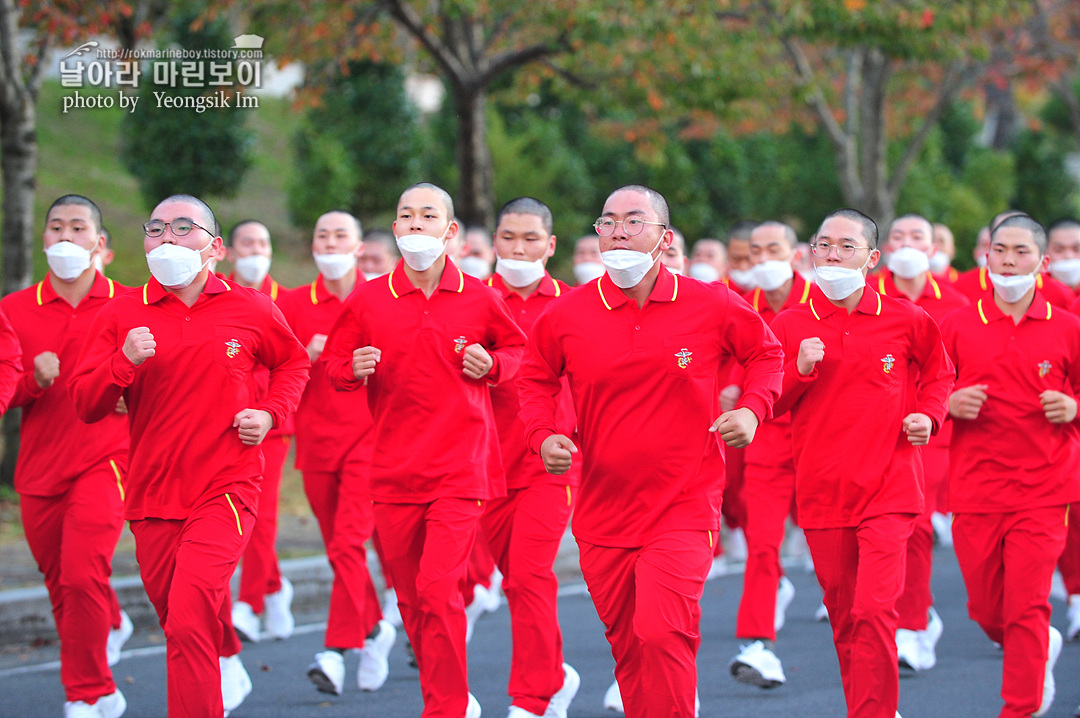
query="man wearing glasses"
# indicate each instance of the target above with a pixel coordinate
(641, 348)
(195, 463)
(867, 381)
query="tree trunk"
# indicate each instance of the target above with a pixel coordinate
(475, 202)
(18, 163)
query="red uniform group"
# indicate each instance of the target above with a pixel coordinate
(431, 408)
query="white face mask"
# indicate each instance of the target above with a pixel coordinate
(1012, 288)
(585, 272)
(839, 283)
(67, 260)
(939, 262)
(742, 277)
(772, 274)
(1066, 271)
(174, 266)
(519, 273)
(704, 272)
(475, 267)
(421, 250)
(980, 261)
(373, 275)
(908, 262)
(627, 267)
(335, 266)
(252, 268)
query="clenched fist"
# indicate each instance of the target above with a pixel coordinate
(811, 352)
(46, 369)
(364, 360)
(557, 453)
(252, 425)
(477, 361)
(139, 345)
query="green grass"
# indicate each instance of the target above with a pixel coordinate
(79, 152)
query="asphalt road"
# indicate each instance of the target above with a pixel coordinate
(966, 681)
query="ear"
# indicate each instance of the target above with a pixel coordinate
(451, 231)
(873, 260)
(551, 247)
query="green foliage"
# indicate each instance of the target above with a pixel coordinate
(957, 182)
(359, 147)
(1044, 187)
(194, 150)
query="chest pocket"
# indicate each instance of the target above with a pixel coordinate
(233, 348)
(454, 339)
(689, 356)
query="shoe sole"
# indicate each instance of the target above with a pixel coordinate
(744, 673)
(322, 682)
(904, 665)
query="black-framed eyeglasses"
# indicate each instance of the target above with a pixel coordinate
(180, 226)
(844, 250)
(633, 226)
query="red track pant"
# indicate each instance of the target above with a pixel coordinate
(1070, 557)
(524, 531)
(72, 537)
(341, 502)
(861, 570)
(916, 600)
(767, 495)
(259, 573)
(1008, 563)
(427, 548)
(481, 566)
(648, 598)
(186, 565)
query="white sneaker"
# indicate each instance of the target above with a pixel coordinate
(277, 617)
(757, 666)
(117, 638)
(472, 710)
(718, 568)
(908, 654)
(735, 548)
(235, 682)
(374, 658)
(821, 615)
(110, 706)
(1049, 689)
(928, 639)
(245, 622)
(560, 702)
(327, 672)
(785, 593)
(942, 524)
(613, 698)
(390, 610)
(1073, 617)
(476, 609)
(1057, 587)
(519, 712)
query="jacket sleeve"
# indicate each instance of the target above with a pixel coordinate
(10, 363)
(281, 353)
(346, 336)
(749, 340)
(539, 383)
(937, 375)
(794, 384)
(102, 371)
(505, 342)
